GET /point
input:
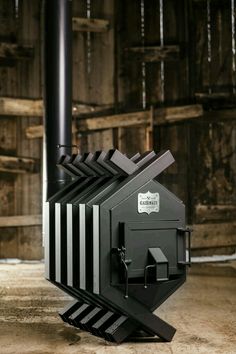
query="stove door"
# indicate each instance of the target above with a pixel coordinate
(156, 247)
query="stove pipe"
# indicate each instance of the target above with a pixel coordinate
(57, 89)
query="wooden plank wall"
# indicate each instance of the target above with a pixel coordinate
(176, 91)
(93, 67)
(129, 73)
(204, 149)
(108, 73)
(7, 137)
(20, 193)
(213, 186)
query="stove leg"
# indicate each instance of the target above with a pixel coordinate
(116, 327)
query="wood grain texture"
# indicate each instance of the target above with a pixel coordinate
(29, 84)
(101, 75)
(105, 78)
(93, 69)
(14, 51)
(90, 24)
(221, 44)
(37, 131)
(20, 220)
(215, 213)
(213, 235)
(8, 133)
(214, 169)
(201, 67)
(154, 94)
(16, 106)
(216, 100)
(153, 54)
(220, 115)
(173, 91)
(14, 164)
(129, 74)
(161, 116)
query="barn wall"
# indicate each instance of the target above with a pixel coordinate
(20, 192)
(114, 73)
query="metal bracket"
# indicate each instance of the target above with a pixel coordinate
(160, 259)
(59, 146)
(125, 262)
(146, 272)
(184, 232)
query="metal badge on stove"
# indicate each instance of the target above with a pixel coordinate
(148, 202)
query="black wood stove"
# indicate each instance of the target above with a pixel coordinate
(115, 238)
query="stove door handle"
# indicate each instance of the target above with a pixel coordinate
(187, 234)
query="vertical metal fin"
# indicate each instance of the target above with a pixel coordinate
(69, 232)
(82, 249)
(47, 239)
(96, 247)
(58, 240)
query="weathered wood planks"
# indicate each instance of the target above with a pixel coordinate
(160, 116)
(206, 236)
(215, 213)
(13, 164)
(153, 54)
(12, 51)
(36, 131)
(90, 25)
(15, 106)
(106, 75)
(20, 220)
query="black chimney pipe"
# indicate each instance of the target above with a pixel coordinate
(58, 88)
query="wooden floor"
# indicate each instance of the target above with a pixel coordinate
(203, 311)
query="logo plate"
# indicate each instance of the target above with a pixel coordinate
(148, 202)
